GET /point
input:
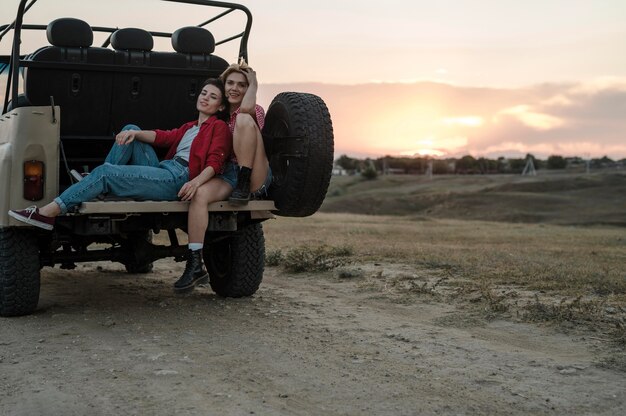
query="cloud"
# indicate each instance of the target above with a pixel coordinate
(598, 85)
(531, 118)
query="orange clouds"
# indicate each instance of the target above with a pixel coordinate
(445, 120)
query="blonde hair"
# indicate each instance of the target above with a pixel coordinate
(239, 67)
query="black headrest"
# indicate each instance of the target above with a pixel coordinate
(193, 39)
(69, 32)
(132, 39)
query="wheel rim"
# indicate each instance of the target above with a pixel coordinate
(218, 261)
(278, 162)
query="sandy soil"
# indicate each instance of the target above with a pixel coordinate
(107, 343)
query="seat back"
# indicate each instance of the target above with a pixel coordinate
(83, 93)
(135, 92)
(194, 48)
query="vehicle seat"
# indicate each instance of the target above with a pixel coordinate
(194, 48)
(198, 45)
(135, 93)
(84, 94)
(132, 46)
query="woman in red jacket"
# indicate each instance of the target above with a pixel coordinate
(198, 154)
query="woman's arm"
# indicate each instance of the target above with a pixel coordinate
(188, 190)
(220, 148)
(127, 136)
(248, 103)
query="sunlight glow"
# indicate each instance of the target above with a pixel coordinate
(470, 121)
(423, 152)
(433, 146)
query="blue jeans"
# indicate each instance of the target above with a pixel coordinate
(230, 174)
(130, 171)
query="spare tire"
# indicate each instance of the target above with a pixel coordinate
(298, 136)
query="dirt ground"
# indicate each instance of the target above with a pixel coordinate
(104, 342)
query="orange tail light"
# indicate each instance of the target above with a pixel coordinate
(33, 180)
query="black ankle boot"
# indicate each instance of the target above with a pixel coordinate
(241, 194)
(194, 273)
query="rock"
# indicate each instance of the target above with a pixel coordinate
(165, 372)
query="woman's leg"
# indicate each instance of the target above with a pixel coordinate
(251, 157)
(198, 219)
(137, 182)
(134, 153)
(198, 216)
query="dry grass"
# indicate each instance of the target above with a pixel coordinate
(534, 272)
(550, 197)
(570, 261)
(549, 249)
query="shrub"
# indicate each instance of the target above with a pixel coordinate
(315, 259)
(274, 258)
(369, 173)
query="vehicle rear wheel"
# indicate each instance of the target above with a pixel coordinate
(138, 244)
(236, 262)
(298, 136)
(19, 271)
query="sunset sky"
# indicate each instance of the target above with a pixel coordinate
(446, 77)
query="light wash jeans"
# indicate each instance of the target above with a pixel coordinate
(130, 171)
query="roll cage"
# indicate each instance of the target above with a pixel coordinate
(13, 62)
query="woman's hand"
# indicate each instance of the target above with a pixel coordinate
(188, 190)
(126, 137)
(251, 76)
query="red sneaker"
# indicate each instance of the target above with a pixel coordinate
(32, 216)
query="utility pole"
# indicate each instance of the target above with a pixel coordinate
(529, 169)
(429, 170)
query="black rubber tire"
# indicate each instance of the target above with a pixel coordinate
(134, 242)
(299, 143)
(134, 268)
(236, 263)
(19, 271)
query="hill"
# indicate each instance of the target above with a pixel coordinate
(556, 198)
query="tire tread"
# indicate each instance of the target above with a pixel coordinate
(19, 272)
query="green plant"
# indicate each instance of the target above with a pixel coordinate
(369, 173)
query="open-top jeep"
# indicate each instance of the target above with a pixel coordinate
(64, 101)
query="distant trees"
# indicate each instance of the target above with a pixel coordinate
(556, 162)
(464, 165)
(603, 162)
(348, 163)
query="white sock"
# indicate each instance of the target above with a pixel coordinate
(195, 246)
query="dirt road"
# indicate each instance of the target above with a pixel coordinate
(107, 343)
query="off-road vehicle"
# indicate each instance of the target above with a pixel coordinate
(66, 98)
